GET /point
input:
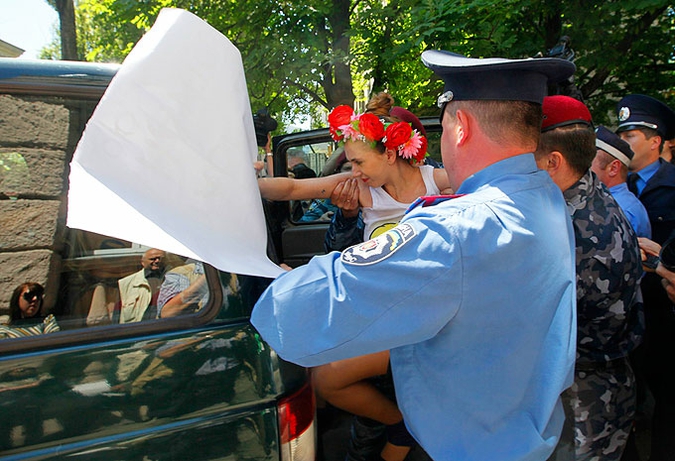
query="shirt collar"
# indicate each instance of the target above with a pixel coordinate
(647, 172)
(618, 188)
(523, 163)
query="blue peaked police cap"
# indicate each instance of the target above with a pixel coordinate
(496, 78)
(641, 111)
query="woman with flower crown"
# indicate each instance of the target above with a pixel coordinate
(386, 156)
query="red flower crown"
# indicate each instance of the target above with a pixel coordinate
(345, 125)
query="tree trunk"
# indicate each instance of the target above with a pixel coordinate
(66, 11)
(337, 80)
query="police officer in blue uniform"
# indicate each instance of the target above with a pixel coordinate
(611, 163)
(473, 295)
(645, 123)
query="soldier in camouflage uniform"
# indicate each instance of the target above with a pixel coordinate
(601, 402)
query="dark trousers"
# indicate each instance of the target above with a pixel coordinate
(653, 362)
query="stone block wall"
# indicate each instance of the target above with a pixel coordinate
(36, 140)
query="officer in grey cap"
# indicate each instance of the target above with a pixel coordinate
(611, 164)
(479, 354)
(646, 123)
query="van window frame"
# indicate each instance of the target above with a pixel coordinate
(26, 79)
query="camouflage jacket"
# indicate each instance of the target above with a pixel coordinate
(609, 308)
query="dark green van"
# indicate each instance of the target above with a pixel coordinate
(82, 382)
(88, 381)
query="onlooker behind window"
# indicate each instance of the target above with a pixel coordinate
(298, 169)
(132, 298)
(139, 291)
(26, 318)
(104, 308)
(297, 164)
(25, 305)
(183, 291)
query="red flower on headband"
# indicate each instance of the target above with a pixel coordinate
(371, 127)
(397, 134)
(344, 125)
(339, 117)
(422, 152)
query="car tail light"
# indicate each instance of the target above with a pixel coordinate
(297, 426)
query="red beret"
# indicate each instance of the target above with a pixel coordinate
(562, 111)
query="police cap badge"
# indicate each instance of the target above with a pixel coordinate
(641, 111)
(495, 78)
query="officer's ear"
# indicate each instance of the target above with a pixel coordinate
(657, 143)
(464, 126)
(614, 168)
(552, 162)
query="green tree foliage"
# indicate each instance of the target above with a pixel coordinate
(302, 58)
(621, 47)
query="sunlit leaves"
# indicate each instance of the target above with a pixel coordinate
(303, 57)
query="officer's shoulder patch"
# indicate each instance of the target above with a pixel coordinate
(379, 248)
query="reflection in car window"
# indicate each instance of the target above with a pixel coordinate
(14, 173)
(309, 161)
(88, 279)
(111, 281)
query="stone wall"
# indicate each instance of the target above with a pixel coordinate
(35, 148)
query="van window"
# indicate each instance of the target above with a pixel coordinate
(88, 280)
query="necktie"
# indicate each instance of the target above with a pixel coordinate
(632, 183)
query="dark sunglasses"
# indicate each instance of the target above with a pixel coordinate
(29, 295)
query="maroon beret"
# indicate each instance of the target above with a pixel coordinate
(562, 111)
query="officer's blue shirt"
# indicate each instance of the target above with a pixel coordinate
(644, 175)
(633, 208)
(475, 299)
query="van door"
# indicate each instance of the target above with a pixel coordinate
(100, 370)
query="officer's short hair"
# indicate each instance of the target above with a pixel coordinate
(605, 159)
(504, 121)
(575, 142)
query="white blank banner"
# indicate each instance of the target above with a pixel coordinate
(166, 160)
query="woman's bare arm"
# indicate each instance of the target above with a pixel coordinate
(300, 189)
(442, 181)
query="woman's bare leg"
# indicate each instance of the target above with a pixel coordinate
(343, 384)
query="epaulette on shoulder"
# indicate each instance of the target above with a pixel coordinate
(431, 200)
